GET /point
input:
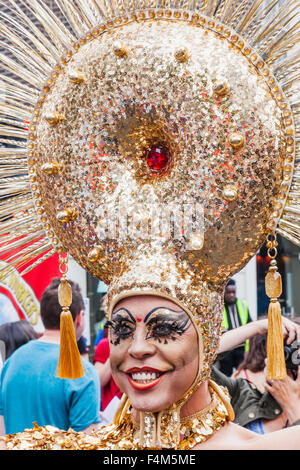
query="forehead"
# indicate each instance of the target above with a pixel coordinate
(140, 305)
(230, 289)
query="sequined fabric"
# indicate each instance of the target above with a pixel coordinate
(182, 230)
(128, 104)
(146, 97)
(126, 435)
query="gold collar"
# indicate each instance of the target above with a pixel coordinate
(165, 430)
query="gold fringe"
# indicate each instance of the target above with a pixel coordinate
(69, 363)
(273, 284)
(276, 368)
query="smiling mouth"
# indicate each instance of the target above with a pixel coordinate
(144, 379)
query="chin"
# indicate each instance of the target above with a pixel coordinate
(150, 405)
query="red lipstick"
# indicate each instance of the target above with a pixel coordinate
(146, 385)
(144, 369)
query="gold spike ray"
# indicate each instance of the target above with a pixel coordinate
(25, 28)
(39, 261)
(256, 17)
(38, 39)
(21, 72)
(72, 17)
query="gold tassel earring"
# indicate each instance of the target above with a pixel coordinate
(276, 368)
(69, 363)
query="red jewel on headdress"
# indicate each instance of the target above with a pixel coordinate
(139, 319)
(157, 158)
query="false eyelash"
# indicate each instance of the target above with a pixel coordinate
(110, 326)
(175, 328)
(115, 343)
(115, 327)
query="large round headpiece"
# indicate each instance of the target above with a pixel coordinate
(160, 139)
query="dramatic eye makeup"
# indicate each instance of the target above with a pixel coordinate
(122, 325)
(164, 323)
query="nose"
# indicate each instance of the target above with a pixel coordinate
(140, 347)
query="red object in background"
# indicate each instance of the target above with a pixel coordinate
(110, 390)
(20, 295)
(41, 276)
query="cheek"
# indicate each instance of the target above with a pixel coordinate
(187, 353)
(118, 353)
(180, 353)
(183, 352)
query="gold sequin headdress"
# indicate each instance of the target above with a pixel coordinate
(156, 142)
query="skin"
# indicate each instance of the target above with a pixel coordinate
(230, 295)
(104, 371)
(53, 336)
(285, 391)
(179, 361)
(233, 338)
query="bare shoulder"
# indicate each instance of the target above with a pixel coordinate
(285, 439)
(235, 437)
(230, 437)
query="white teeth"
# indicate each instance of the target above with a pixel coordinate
(144, 376)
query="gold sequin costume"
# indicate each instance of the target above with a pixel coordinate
(126, 434)
(209, 86)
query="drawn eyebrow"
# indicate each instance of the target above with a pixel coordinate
(160, 308)
(127, 311)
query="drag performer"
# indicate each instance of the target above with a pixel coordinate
(161, 142)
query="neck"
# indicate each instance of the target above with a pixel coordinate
(164, 429)
(50, 336)
(200, 399)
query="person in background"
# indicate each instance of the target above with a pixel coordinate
(83, 347)
(261, 405)
(15, 334)
(99, 335)
(236, 313)
(109, 389)
(100, 325)
(252, 368)
(31, 392)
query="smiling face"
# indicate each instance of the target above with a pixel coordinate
(153, 351)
